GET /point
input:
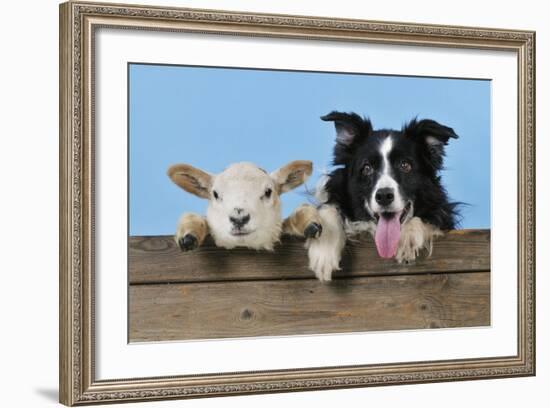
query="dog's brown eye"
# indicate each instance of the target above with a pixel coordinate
(367, 170)
(215, 194)
(268, 192)
(405, 166)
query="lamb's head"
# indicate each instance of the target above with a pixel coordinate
(244, 208)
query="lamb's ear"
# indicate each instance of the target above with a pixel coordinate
(351, 130)
(191, 179)
(433, 135)
(292, 175)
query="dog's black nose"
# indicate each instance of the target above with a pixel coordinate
(384, 196)
(239, 222)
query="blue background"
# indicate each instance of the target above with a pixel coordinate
(212, 117)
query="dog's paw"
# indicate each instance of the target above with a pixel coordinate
(188, 242)
(409, 247)
(313, 230)
(325, 251)
(323, 269)
(407, 253)
(416, 236)
(323, 260)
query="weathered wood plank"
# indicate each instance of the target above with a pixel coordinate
(158, 259)
(261, 308)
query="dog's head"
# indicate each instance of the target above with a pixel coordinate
(390, 173)
(244, 207)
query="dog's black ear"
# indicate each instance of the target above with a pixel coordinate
(434, 137)
(351, 130)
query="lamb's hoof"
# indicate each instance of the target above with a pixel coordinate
(313, 230)
(188, 242)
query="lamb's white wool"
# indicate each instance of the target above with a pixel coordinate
(325, 252)
(244, 208)
(415, 236)
(241, 191)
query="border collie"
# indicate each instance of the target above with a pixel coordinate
(387, 184)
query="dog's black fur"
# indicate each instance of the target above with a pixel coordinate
(419, 143)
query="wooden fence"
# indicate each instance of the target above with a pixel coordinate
(216, 293)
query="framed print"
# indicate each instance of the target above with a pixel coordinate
(256, 203)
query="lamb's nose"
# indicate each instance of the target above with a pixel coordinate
(239, 222)
(384, 196)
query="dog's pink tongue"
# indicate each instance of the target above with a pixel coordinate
(387, 235)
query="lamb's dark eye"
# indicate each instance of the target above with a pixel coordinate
(215, 194)
(367, 170)
(267, 192)
(405, 166)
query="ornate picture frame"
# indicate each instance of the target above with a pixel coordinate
(79, 22)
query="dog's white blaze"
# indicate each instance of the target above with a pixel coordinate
(386, 180)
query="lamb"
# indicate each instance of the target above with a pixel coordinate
(244, 207)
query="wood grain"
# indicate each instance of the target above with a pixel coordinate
(158, 260)
(261, 308)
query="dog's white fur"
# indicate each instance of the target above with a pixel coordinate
(325, 252)
(386, 180)
(416, 236)
(241, 190)
(320, 193)
(353, 228)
